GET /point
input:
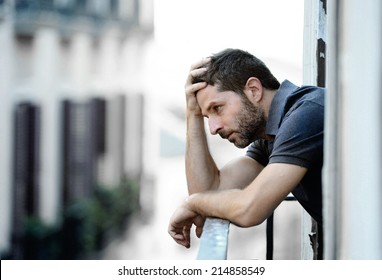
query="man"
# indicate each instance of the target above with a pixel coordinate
(281, 124)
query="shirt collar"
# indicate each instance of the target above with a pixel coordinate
(276, 111)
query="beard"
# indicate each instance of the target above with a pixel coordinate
(250, 123)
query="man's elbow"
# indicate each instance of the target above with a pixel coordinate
(195, 186)
(194, 189)
(246, 218)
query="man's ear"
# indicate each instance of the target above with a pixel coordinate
(253, 89)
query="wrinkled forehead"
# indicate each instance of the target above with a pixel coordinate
(207, 94)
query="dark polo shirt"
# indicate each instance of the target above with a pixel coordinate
(296, 121)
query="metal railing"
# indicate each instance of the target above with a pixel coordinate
(214, 239)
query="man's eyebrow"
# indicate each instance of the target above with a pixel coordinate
(205, 111)
(212, 104)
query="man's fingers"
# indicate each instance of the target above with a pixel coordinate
(199, 223)
(198, 231)
(180, 224)
(195, 87)
(186, 232)
(200, 63)
(179, 237)
(197, 69)
(197, 72)
(194, 74)
(182, 241)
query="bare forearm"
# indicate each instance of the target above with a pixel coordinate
(224, 204)
(201, 171)
(235, 205)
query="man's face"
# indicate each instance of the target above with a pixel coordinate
(231, 115)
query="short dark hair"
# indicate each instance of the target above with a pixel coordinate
(231, 68)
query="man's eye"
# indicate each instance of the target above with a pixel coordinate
(218, 108)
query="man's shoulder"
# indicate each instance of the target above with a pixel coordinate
(307, 94)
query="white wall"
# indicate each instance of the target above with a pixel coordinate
(353, 175)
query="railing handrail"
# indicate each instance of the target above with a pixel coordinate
(214, 240)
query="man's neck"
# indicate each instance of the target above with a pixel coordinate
(267, 101)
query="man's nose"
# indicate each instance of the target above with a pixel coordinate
(215, 125)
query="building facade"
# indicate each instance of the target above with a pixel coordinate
(72, 107)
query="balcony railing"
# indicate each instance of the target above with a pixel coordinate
(214, 240)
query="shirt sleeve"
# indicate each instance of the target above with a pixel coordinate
(258, 150)
(299, 139)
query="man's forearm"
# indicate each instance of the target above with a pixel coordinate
(224, 204)
(201, 171)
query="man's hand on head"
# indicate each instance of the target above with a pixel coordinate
(191, 88)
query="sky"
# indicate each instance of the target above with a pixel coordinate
(186, 30)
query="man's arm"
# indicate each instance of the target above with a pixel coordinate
(201, 171)
(245, 208)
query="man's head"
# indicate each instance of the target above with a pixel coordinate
(231, 101)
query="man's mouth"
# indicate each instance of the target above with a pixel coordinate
(230, 137)
(224, 135)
